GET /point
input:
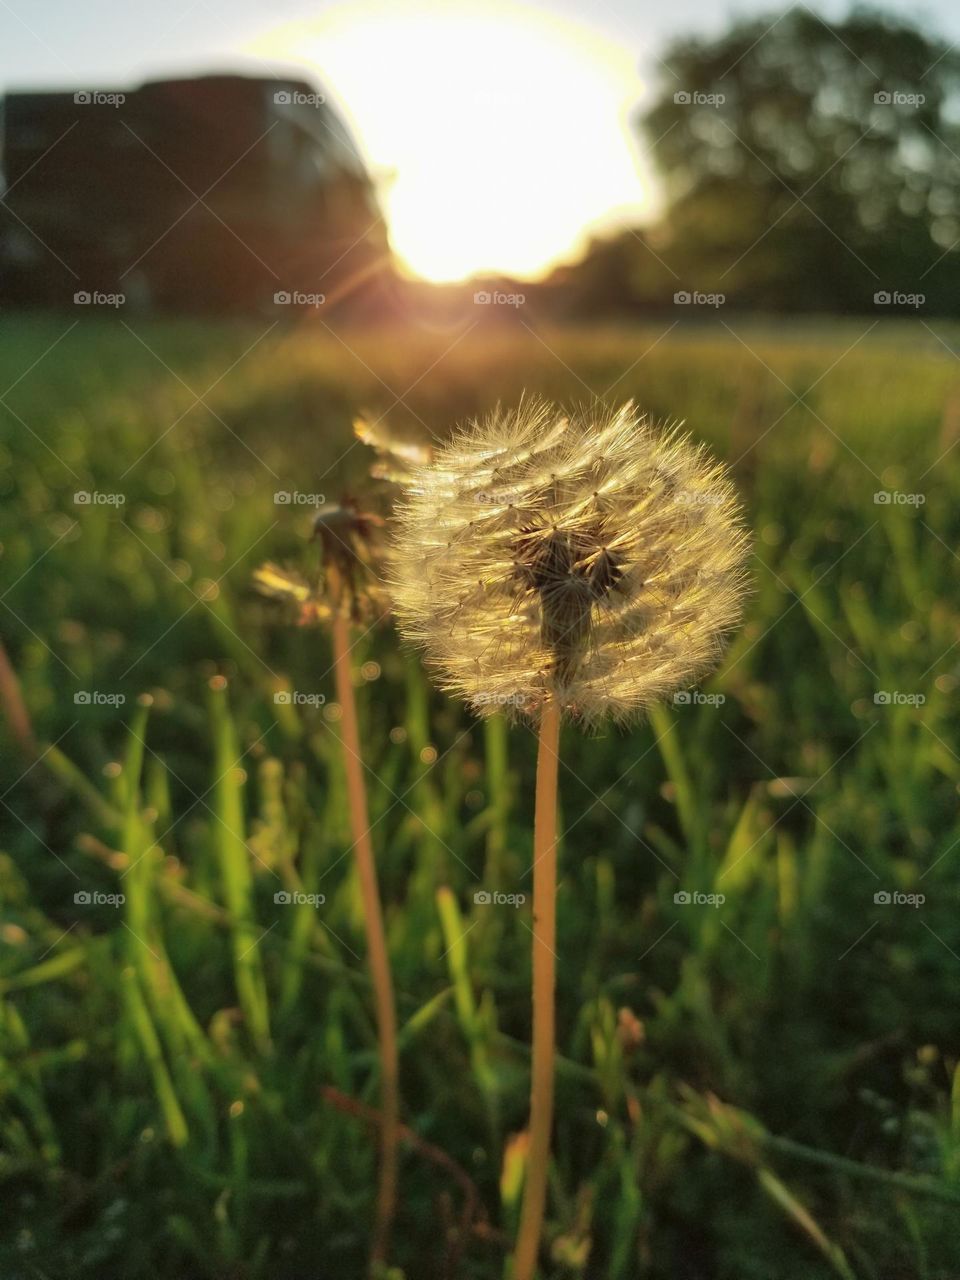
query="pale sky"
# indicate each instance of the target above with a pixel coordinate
(499, 134)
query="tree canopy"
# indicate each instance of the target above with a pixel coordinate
(810, 165)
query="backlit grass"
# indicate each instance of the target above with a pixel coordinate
(764, 1086)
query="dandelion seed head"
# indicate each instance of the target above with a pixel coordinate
(349, 582)
(592, 559)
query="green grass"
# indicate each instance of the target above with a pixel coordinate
(767, 1087)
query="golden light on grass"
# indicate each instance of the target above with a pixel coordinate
(547, 563)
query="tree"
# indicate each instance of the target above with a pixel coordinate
(619, 274)
(810, 164)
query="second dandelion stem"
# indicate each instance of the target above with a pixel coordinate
(544, 984)
(376, 943)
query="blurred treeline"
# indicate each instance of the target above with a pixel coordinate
(807, 166)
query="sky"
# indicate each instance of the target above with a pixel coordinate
(500, 135)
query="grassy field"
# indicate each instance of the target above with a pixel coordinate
(763, 1086)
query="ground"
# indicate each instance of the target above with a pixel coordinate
(759, 935)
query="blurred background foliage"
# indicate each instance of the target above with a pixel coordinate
(807, 164)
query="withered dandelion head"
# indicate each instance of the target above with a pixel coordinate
(351, 548)
(350, 581)
(589, 559)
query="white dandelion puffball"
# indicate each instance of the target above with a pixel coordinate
(590, 559)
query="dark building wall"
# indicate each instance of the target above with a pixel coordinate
(207, 193)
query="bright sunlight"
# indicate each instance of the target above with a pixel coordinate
(470, 121)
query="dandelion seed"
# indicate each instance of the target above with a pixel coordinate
(397, 458)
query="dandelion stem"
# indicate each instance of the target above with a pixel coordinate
(376, 944)
(544, 983)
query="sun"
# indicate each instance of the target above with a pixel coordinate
(499, 135)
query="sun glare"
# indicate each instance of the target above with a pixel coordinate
(498, 136)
